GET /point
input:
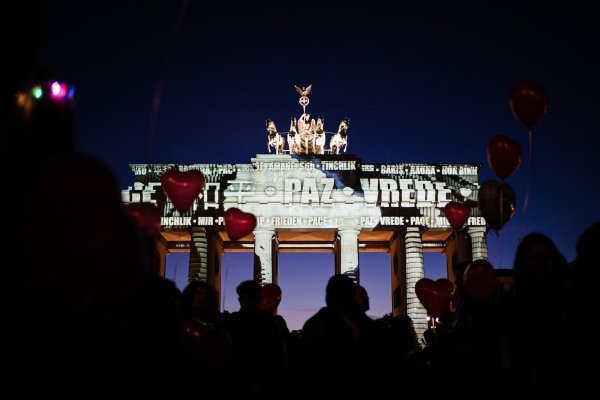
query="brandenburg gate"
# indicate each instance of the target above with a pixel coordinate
(310, 198)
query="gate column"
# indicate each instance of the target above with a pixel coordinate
(415, 270)
(263, 255)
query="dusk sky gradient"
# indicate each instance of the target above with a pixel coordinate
(419, 85)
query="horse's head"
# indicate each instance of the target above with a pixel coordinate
(344, 125)
(320, 122)
(271, 126)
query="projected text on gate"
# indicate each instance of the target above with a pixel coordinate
(317, 191)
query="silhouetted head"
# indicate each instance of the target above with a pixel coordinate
(198, 297)
(537, 257)
(248, 295)
(270, 297)
(340, 293)
(538, 263)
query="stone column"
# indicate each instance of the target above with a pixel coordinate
(349, 253)
(478, 243)
(414, 271)
(215, 252)
(198, 255)
(263, 255)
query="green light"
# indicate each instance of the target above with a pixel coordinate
(36, 92)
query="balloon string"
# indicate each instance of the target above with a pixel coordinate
(528, 172)
(499, 244)
(502, 204)
(161, 80)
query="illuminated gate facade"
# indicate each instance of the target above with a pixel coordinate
(322, 203)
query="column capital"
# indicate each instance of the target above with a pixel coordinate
(479, 230)
(263, 230)
(478, 243)
(348, 231)
(413, 230)
(349, 223)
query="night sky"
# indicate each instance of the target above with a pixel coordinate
(419, 85)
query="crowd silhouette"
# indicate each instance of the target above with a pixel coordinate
(87, 316)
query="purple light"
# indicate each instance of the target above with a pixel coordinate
(58, 90)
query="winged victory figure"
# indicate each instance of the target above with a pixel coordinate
(304, 91)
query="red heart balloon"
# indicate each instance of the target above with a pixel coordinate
(480, 280)
(238, 223)
(457, 213)
(528, 102)
(146, 215)
(435, 296)
(182, 188)
(504, 156)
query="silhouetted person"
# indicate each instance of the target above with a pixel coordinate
(403, 343)
(581, 307)
(87, 319)
(537, 334)
(257, 347)
(199, 301)
(207, 344)
(374, 346)
(270, 298)
(332, 356)
(102, 322)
